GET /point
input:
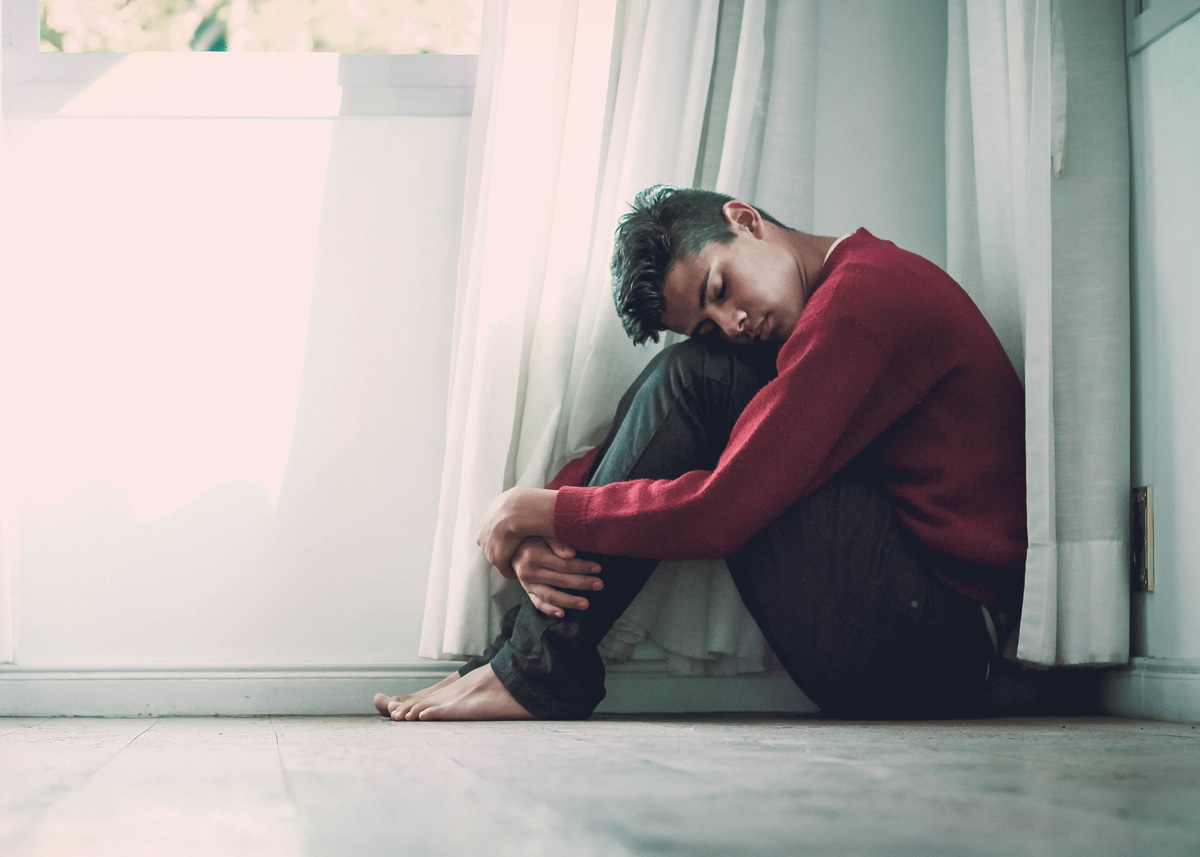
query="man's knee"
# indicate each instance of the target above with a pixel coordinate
(676, 373)
(687, 358)
(679, 365)
(678, 414)
(699, 363)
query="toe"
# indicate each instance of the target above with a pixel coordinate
(381, 703)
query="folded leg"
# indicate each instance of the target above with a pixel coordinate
(676, 417)
(849, 606)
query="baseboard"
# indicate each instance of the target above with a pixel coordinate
(646, 688)
(642, 688)
(1156, 688)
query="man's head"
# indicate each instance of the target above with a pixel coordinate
(696, 262)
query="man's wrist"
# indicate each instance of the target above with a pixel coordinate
(535, 512)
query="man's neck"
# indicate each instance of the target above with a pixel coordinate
(810, 252)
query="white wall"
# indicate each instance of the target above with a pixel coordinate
(225, 349)
(1164, 82)
(881, 122)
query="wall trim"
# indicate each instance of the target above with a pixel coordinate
(341, 689)
(1155, 688)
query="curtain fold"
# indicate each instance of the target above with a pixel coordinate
(1038, 225)
(7, 522)
(628, 94)
(580, 107)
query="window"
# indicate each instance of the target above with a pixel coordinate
(269, 58)
(357, 26)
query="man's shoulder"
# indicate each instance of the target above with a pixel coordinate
(867, 260)
(900, 297)
(874, 275)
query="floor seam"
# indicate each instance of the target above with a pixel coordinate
(287, 778)
(21, 833)
(20, 728)
(108, 761)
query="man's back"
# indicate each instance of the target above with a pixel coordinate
(953, 463)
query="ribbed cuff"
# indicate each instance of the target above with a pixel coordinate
(572, 511)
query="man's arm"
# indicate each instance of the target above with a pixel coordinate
(837, 390)
(514, 516)
(522, 513)
(517, 538)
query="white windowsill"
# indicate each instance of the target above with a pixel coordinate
(273, 85)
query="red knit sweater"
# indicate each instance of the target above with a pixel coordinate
(890, 363)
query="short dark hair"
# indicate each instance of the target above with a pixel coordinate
(663, 225)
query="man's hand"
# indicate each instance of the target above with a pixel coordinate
(545, 567)
(514, 516)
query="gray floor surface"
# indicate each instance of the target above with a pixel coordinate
(612, 786)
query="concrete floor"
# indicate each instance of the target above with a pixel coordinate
(363, 786)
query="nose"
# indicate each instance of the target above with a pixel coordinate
(733, 322)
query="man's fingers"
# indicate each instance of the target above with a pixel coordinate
(562, 550)
(544, 607)
(556, 599)
(545, 567)
(559, 580)
(573, 567)
(527, 562)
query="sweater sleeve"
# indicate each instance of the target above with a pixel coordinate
(837, 390)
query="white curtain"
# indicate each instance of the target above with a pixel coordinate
(7, 524)
(579, 105)
(1038, 233)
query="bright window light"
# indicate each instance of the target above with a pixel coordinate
(339, 26)
(154, 334)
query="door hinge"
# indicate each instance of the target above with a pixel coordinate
(1141, 549)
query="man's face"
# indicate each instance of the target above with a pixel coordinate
(747, 290)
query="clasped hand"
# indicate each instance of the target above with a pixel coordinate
(517, 537)
(546, 567)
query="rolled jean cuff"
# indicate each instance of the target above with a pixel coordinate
(537, 701)
(473, 664)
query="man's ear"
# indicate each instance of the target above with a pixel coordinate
(743, 216)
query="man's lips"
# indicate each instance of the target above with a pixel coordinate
(763, 328)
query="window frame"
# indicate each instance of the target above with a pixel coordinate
(215, 84)
(1146, 22)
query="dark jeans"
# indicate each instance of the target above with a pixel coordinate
(842, 597)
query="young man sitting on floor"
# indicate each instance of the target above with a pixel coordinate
(843, 426)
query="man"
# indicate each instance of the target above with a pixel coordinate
(843, 426)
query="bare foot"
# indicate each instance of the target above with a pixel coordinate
(385, 704)
(478, 696)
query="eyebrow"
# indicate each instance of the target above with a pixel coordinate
(703, 302)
